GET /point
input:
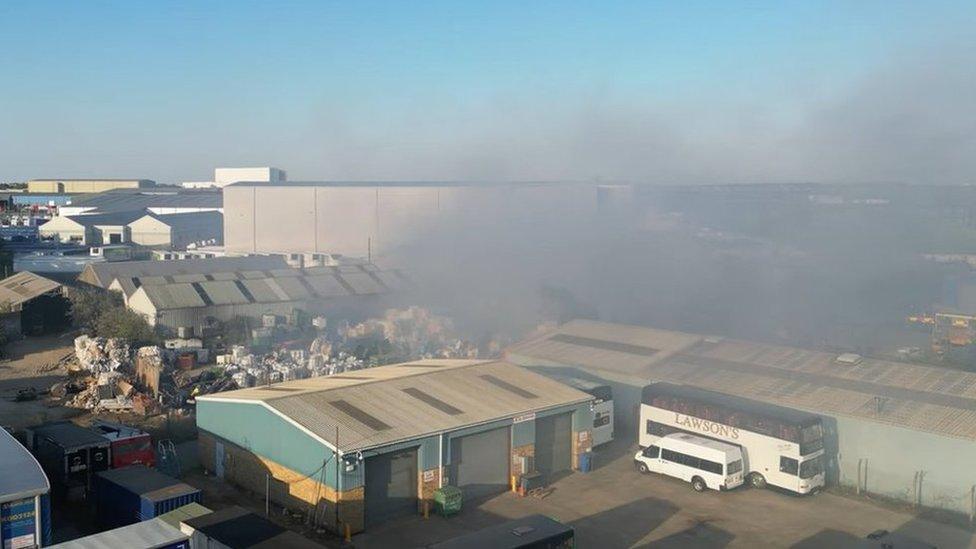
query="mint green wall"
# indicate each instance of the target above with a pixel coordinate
(255, 428)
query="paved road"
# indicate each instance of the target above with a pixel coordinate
(615, 506)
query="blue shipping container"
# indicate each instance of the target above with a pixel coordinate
(137, 493)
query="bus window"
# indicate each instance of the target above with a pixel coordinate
(734, 467)
(811, 467)
(788, 465)
(811, 439)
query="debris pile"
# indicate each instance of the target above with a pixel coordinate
(98, 354)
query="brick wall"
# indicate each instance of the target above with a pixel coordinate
(289, 488)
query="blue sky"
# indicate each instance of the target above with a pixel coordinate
(377, 89)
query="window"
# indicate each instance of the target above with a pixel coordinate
(671, 455)
(652, 452)
(660, 429)
(811, 467)
(788, 465)
(811, 439)
(601, 419)
(710, 467)
(735, 467)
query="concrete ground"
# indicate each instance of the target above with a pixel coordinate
(614, 506)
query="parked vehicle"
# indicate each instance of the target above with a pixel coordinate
(703, 462)
(602, 407)
(780, 446)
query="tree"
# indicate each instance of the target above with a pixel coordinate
(87, 305)
(123, 323)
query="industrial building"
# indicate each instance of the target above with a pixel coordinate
(140, 227)
(90, 230)
(25, 519)
(85, 185)
(227, 176)
(158, 200)
(901, 430)
(176, 231)
(377, 218)
(356, 449)
(103, 275)
(197, 301)
(31, 304)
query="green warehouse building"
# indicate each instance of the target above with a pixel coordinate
(358, 448)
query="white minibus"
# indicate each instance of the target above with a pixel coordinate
(703, 462)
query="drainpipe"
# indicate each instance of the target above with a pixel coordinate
(440, 461)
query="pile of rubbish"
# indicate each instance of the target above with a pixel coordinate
(414, 333)
(98, 354)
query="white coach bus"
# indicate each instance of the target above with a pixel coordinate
(780, 446)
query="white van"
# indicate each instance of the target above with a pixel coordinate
(703, 462)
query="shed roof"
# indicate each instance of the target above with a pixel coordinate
(111, 218)
(927, 398)
(184, 218)
(184, 513)
(150, 534)
(148, 483)
(24, 286)
(387, 404)
(21, 475)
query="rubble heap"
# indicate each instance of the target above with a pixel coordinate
(98, 354)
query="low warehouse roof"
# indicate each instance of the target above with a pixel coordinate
(242, 287)
(22, 287)
(20, 474)
(388, 404)
(239, 528)
(928, 398)
(102, 274)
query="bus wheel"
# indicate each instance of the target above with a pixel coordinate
(757, 480)
(698, 484)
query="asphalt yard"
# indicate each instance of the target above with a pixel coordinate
(615, 506)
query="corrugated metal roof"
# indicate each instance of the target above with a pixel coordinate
(22, 287)
(102, 274)
(150, 534)
(141, 199)
(146, 482)
(20, 474)
(111, 218)
(374, 407)
(928, 398)
(182, 514)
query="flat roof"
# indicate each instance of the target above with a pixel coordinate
(68, 435)
(239, 528)
(21, 475)
(148, 483)
(149, 534)
(118, 200)
(926, 398)
(387, 404)
(513, 533)
(24, 286)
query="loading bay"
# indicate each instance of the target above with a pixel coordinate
(615, 506)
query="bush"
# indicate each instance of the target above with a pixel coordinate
(103, 314)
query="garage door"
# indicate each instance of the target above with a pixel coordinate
(391, 485)
(553, 443)
(479, 463)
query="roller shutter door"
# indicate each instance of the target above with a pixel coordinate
(553, 443)
(479, 463)
(391, 485)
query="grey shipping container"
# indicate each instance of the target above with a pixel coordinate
(69, 454)
(137, 493)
